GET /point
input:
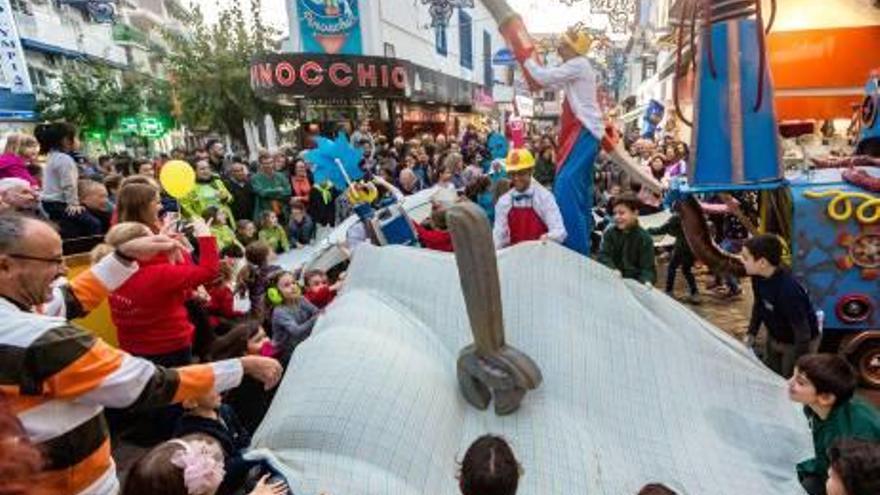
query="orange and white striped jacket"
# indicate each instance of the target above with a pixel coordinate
(58, 379)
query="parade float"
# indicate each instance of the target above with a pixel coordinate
(829, 213)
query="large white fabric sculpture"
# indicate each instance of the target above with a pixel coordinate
(637, 388)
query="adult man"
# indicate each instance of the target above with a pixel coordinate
(527, 212)
(216, 156)
(58, 378)
(18, 195)
(582, 130)
(362, 135)
(94, 196)
(239, 186)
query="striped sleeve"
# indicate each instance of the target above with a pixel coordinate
(72, 364)
(92, 286)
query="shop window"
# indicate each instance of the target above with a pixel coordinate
(488, 74)
(465, 39)
(440, 39)
(22, 6)
(39, 78)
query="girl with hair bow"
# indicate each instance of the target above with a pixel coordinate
(187, 466)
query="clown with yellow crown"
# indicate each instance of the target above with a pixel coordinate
(582, 129)
(528, 211)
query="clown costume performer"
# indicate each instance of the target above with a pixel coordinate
(581, 132)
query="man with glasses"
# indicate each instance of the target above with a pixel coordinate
(58, 378)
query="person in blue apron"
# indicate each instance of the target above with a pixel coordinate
(582, 129)
(528, 211)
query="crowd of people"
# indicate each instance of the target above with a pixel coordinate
(201, 309)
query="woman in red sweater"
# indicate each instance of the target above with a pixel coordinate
(149, 311)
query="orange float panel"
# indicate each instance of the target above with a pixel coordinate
(823, 58)
(98, 320)
(815, 107)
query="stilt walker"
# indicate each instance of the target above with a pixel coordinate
(583, 128)
(581, 132)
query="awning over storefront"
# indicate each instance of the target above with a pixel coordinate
(17, 106)
(820, 74)
(39, 46)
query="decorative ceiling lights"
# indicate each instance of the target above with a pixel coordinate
(619, 12)
(441, 10)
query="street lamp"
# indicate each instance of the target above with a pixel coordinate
(441, 10)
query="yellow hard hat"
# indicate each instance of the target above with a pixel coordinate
(578, 40)
(362, 192)
(519, 159)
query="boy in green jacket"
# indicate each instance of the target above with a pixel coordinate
(824, 384)
(626, 246)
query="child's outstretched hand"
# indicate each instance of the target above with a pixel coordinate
(265, 488)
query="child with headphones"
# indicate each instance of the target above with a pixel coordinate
(293, 316)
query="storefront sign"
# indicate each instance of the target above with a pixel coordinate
(504, 57)
(483, 99)
(287, 77)
(12, 63)
(502, 93)
(283, 76)
(525, 106)
(330, 26)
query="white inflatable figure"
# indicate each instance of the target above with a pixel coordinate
(636, 387)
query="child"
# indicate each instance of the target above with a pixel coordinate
(301, 228)
(60, 178)
(489, 466)
(253, 279)
(246, 232)
(208, 417)
(656, 489)
(273, 234)
(682, 256)
(528, 212)
(318, 289)
(626, 246)
(220, 228)
(250, 400)
(854, 468)
(434, 234)
(221, 306)
(824, 384)
(781, 304)
(186, 467)
(293, 316)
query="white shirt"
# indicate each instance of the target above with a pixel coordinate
(578, 79)
(544, 204)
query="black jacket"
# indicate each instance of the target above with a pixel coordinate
(242, 199)
(783, 306)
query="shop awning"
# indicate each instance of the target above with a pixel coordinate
(39, 46)
(17, 106)
(820, 74)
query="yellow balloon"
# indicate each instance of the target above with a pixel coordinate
(177, 178)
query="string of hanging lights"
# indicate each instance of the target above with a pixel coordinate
(619, 12)
(441, 10)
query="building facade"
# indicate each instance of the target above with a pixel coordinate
(451, 77)
(55, 35)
